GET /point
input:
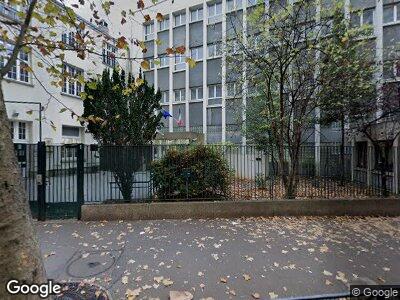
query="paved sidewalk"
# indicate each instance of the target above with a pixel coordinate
(265, 258)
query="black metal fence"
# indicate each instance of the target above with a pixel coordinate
(59, 179)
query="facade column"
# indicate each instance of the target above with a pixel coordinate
(187, 89)
(205, 89)
(155, 55)
(223, 71)
(378, 31)
(317, 125)
(244, 75)
(171, 72)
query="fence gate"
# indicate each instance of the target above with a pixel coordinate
(53, 177)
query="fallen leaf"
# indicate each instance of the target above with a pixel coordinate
(167, 282)
(223, 280)
(256, 295)
(178, 295)
(246, 277)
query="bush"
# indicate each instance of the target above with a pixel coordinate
(193, 173)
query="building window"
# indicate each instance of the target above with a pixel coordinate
(164, 97)
(150, 60)
(148, 32)
(232, 5)
(233, 89)
(69, 38)
(21, 130)
(19, 71)
(196, 93)
(71, 84)
(214, 12)
(109, 52)
(364, 17)
(385, 151)
(18, 131)
(180, 19)
(361, 154)
(70, 131)
(214, 50)
(179, 95)
(164, 61)
(163, 25)
(196, 15)
(391, 13)
(196, 53)
(180, 63)
(214, 94)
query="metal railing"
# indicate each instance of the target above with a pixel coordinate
(77, 174)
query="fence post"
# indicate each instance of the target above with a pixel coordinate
(41, 180)
(80, 151)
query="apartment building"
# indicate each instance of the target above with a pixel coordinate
(35, 107)
(203, 96)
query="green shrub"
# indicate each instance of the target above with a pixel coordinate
(193, 173)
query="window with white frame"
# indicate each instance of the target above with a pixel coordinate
(196, 93)
(19, 131)
(363, 17)
(163, 25)
(391, 13)
(214, 93)
(151, 62)
(214, 50)
(196, 15)
(164, 61)
(232, 5)
(233, 89)
(19, 70)
(180, 63)
(148, 32)
(179, 95)
(164, 96)
(69, 38)
(214, 12)
(180, 19)
(109, 52)
(196, 53)
(71, 84)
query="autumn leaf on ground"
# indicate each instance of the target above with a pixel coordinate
(323, 249)
(246, 277)
(124, 279)
(178, 295)
(223, 280)
(256, 295)
(272, 295)
(132, 294)
(167, 282)
(327, 273)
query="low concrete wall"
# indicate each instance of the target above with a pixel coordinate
(227, 209)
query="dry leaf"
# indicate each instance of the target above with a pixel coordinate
(167, 282)
(246, 277)
(178, 295)
(223, 280)
(256, 295)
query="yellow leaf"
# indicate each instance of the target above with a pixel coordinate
(145, 65)
(191, 62)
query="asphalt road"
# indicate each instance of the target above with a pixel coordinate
(269, 258)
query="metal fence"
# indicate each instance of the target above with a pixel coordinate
(59, 179)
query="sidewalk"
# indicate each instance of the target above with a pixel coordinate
(224, 259)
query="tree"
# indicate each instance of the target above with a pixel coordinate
(33, 29)
(348, 68)
(281, 53)
(122, 112)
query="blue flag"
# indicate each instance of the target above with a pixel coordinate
(165, 114)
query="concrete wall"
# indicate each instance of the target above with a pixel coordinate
(228, 209)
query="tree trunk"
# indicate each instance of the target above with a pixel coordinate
(125, 183)
(20, 256)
